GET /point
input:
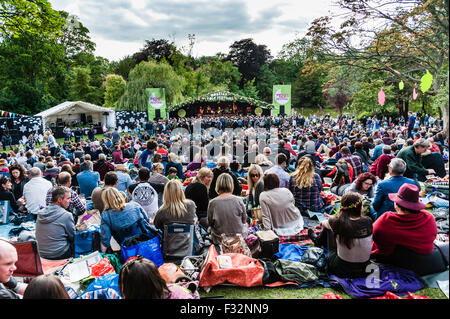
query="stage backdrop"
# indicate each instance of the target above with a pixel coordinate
(156, 103)
(21, 127)
(126, 120)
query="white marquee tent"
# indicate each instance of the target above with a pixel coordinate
(68, 112)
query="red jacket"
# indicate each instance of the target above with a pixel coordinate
(380, 166)
(414, 231)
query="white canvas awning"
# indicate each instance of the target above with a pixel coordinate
(73, 111)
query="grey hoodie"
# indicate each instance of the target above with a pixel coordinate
(55, 228)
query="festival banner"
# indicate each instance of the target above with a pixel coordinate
(156, 98)
(281, 100)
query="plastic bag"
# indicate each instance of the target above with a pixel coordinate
(171, 273)
(87, 219)
(234, 244)
(332, 295)
(101, 268)
(390, 295)
(143, 245)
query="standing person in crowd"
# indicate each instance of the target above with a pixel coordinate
(55, 227)
(115, 136)
(145, 158)
(34, 191)
(226, 212)
(255, 185)
(306, 185)
(197, 191)
(279, 212)
(412, 155)
(87, 179)
(278, 169)
(52, 144)
(348, 238)
(10, 288)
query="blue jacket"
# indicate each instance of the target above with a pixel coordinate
(88, 180)
(381, 202)
(377, 152)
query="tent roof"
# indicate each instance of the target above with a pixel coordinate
(220, 96)
(70, 107)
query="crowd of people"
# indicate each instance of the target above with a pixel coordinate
(215, 172)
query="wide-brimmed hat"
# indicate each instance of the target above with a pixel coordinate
(408, 197)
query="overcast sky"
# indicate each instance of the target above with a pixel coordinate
(120, 27)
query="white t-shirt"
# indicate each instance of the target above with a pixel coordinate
(35, 192)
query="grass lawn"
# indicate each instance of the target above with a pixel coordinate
(229, 292)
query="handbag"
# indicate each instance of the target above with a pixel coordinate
(87, 241)
(91, 217)
(144, 245)
(234, 244)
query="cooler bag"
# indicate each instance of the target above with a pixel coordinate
(269, 242)
(87, 241)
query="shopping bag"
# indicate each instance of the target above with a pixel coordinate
(144, 245)
(87, 241)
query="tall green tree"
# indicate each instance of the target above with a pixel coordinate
(115, 88)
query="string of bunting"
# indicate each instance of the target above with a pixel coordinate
(11, 114)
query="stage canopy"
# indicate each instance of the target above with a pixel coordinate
(78, 112)
(220, 103)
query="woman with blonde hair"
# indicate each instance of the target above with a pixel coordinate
(306, 185)
(197, 191)
(120, 219)
(226, 213)
(175, 208)
(255, 184)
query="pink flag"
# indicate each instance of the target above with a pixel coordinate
(381, 97)
(414, 94)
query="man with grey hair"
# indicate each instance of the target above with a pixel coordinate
(381, 202)
(412, 155)
(9, 287)
(55, 227)
(34, 191)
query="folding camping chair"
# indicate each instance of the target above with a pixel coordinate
(29, 262)
(178, 242)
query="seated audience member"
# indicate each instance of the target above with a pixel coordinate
(68, 168)
(145, 193)
(87, 179)
(34, 191)
(435, 161)
(46, 286)
(226, 213)
(172, 173)
(55, 227)
(412, 155)
(262, 161)
(402, 236)
(306, 185)
(10, 288)
(139, 278)
(381, 202)
(279, 212)
(353, 160)
(7, 195)
(379, 168)
(197, 191)
(18, 178)
(157, 174)
(278, 168)
(102, 166)
(348, 238)
(223, 167)
(359, 151)
(365, 185)
(174, 162)
(120, 219)
(76, 206)
(255, 185)
(123, 178)
(111, 180)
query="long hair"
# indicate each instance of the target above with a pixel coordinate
(202, 173)
(304, 174)
(113, 199)
(351, 206)
(20, 168)
(174, 199)
(46, 287)
(254, 168)
(140, 279)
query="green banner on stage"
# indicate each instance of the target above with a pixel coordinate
(156, 98)
(282, 100)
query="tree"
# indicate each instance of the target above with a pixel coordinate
(18, 17)
(115, 87)
(401, 38)
(156, 50)
(124, 66)
(80, 87)
(151, 74)
(222, 73)
(75, 36)
(248, 57)
(307, 88)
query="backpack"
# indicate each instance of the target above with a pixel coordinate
(145, 195)
(342, 174)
